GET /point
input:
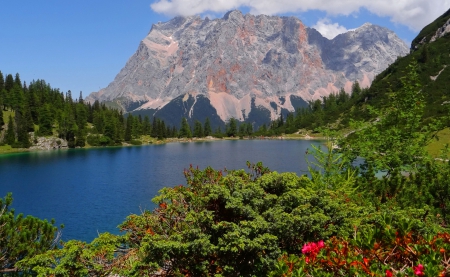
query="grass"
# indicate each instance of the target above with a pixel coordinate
(6, 115)
(435, 147)
(7, 149)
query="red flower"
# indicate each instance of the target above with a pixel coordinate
(321, 244)
(418, 270)
(389, 273)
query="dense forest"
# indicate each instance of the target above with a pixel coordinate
(37, 109)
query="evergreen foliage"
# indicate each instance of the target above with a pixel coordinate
(185, 129)
(22, 237)
(10, 136)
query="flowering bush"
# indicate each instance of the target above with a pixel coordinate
(406, 255)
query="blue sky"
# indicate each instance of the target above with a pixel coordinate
(81, 45)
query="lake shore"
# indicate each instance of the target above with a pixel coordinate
(6, 149)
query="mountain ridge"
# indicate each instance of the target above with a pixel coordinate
(242, 62)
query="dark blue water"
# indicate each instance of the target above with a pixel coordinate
(93, 190)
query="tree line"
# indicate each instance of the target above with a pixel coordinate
(40, 110)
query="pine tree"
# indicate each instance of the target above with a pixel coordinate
(22, 121)
(154, 132)
(80, 99)
(128, 129)
(2, 121)
(9, 82)
(162, 130)
(17, 80)
(356, 90)
(207, 129)
(185, 129)
(2, 81)
(17, 99)
(146, 126)
(174, 132)
(80, 138)
(10, 137)
(136, 130)
(242, 128)
(249, 130)
(46, 121)
(82, 115)
(198, 130)
(232, 128)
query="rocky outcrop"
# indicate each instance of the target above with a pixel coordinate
(445, 29)
(47, 143)
(241, 64)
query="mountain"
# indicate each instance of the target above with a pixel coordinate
(431, 51)
(248, 67)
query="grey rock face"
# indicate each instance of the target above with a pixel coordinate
(445, 29)
(241, 61)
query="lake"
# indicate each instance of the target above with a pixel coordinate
(93, 190)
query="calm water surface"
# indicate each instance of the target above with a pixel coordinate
(93, 190)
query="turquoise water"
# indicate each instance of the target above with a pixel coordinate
(93, 190)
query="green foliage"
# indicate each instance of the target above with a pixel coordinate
(207, 128)
(22, 237)
(330, 170)
(198, 129)
(10, 137)
(135, 142)
(396, 140)
(76, 258)
(232, 128)
(185, 129)
(233, 225)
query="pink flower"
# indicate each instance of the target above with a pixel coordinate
(321, 244)
(418, 270)
(389, 273)
(306, 248)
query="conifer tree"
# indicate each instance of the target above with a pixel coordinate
(154, 132)
(17, 80)
(174, 132)
(80, 138)
(128, 129)
(207, 129)
(2, 121)
(2, 81)
(232, 128)
(80, 99)
(9, 82)
(356, 90)
(82, 115)
(185, 129)
(46, 121)
(22, 121)
(10, 136)
(249, 129)
(146, 126)
(198, 129)
(162, 130)
(136, 129)
(17, 98)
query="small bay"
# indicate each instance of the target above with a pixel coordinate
(93, 190)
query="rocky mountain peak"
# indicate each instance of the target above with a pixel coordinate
(240, 64)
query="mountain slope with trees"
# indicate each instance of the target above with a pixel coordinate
(33, 110)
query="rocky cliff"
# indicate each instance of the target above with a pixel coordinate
(244, 66)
